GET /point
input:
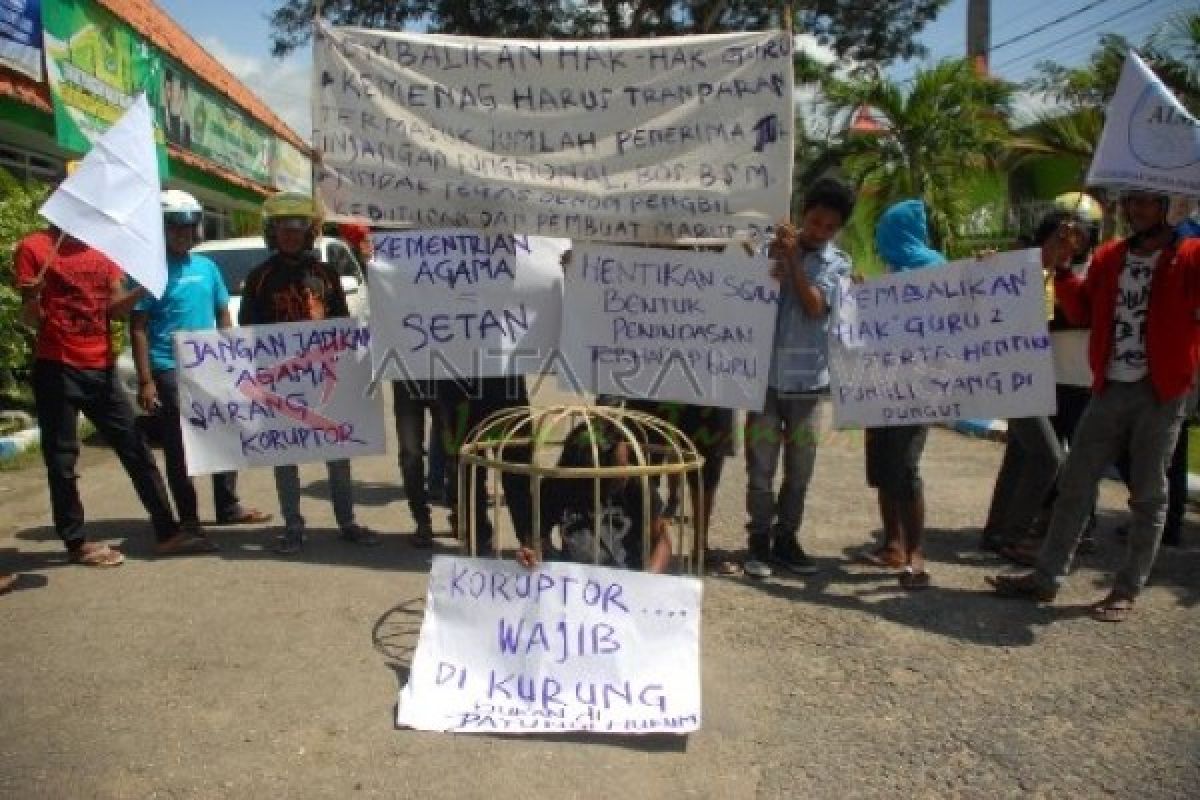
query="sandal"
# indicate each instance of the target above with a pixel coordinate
(882, 557)
(722, 567)
(249, 516)
(913, 580)
(95, 554)
(1115, 608)
(185, 544)
(1024, 585)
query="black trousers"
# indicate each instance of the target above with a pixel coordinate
(225, 499)
(60, 392)
(465, 404)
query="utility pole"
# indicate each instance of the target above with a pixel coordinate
(979, 34)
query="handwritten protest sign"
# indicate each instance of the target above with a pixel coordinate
(633, 140)
(1150, 141)
(966, 340)
(277, 394)
(465, 303)
(692, 327)
(565, 647)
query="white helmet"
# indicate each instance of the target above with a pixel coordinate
(180, 208)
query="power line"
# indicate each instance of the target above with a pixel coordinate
(1079, 32)
(1044, 26)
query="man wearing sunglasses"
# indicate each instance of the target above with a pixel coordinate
(195, 299)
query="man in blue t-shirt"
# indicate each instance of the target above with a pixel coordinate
(195, 299)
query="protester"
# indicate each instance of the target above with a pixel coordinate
(70, 294)
(465, 404)
(894, 453)
(569, 503)
(1141, 296)
(293, 285)
(710, 429)
(195, 299)
(1032, 452)
(809, 269)
(410, 402)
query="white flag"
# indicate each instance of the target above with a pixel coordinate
(1150, 141)
(112, 200)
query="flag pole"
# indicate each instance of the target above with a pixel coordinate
(314, 150)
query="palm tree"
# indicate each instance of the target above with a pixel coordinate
(949, 125)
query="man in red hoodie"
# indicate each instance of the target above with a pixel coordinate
(1140, 296)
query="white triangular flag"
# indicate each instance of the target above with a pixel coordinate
(111, 201)
(1150, 141)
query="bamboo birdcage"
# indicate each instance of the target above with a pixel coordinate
(528, 440)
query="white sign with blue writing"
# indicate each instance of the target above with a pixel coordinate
(268, 395)
(961, 341)
(557, 649)
(678, 325)
(638, 140)
(449, 303)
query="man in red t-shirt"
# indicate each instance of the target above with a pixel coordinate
(70, 292)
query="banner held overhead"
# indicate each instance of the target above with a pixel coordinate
(644, 140)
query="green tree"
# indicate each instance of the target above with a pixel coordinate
(940, 133)
(19, 203)
(852, 28)
(1172, 50)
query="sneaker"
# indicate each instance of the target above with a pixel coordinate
(757, 563)
(423, 537)
(360, 534)
(290, 542)
(788, 554)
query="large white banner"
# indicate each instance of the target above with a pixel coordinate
(277, 394)
(451, 303)
(642, 140)
(1150, 141)
(692, 327)
(965, 340)
(565, 647)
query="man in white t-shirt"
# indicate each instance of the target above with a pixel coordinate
(1140, 296)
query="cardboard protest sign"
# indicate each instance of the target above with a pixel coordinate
(565, 647)
(449, 303)
(965, 340)
(1150, 141)
(268, 395)
(112, 200)
(692, 327)
(639, 140)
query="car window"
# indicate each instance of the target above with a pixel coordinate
(235, 265)
(343, 261)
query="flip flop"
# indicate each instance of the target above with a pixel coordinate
(250, 516)
(97, 555)
(880, 557)
(1114, 608)
(913, 581)
(185, 544)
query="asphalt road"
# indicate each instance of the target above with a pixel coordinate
(247, 674)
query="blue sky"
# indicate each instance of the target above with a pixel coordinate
(236, 32)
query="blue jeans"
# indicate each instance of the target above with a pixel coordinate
(287, 486)
(1124, 415)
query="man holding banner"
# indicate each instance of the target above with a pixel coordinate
(195, 298)
(1141, 296)
(809, 268)
(292, 286)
